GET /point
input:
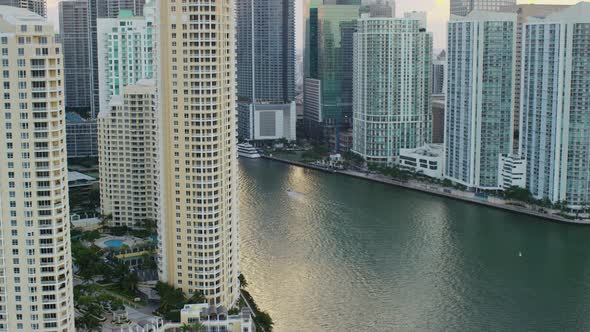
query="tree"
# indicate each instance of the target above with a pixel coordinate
(105, 219)
(170, 298)
(197, 297)
(88, 322)
(264, 320)
(518, 194)
(88, 260)
(243, 281)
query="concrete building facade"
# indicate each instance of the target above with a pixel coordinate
(427, 160)
(36, 284)
(480, 95)
(392, 78)
(268, 122)
(128, 154)
(511, 171)
(198, 229)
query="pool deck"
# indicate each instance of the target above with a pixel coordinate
(436, 190)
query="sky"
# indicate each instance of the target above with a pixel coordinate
(438, 14)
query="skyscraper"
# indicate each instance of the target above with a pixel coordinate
(265, 59)
(198, 230)
(38, 7)
(73, 29)
(125, 51)
(555, 104)
(480, 96)
(128, 153)
(103, 9)
(392, 73)
(524, 13)
(36, 284)
(464, 7)
(328, 74)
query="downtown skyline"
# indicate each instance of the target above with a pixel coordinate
(438, 15)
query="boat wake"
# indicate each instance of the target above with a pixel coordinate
(295, 194)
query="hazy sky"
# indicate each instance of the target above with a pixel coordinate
(438, 13)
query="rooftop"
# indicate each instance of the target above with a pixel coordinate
(16, 15)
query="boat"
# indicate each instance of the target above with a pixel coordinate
(246, 150)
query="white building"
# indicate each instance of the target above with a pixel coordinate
(128, 153)
(125, 51)
(268, 121)
(212, 318)
(480, 93)
(35, 259)
(391, 87)
(427, 160)
(511, 171)
(555, 103)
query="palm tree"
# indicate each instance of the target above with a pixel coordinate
(197, 327)
(105, 219)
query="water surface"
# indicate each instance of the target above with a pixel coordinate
(325, 252)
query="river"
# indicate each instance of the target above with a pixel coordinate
(326, 252)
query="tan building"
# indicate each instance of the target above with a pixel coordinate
(198, 230)
(127, 133)
(35, 260)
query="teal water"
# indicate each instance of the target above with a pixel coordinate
(341, 254)
(114, 243)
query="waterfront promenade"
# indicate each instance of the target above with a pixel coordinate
(433, 189)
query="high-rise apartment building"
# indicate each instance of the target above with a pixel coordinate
(555, 104)
(36, 267)
(198, 230)
(128, 153)
(524, 13)
(38, 7)
(392, 74)
(103, 9)
(464, 7)
(125, 51)
(480, 96)
(328, 75)
(265, 59)
(73, 30)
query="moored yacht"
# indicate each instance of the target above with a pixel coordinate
(247, 150)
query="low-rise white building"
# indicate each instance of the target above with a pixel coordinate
(427, 160)
(212, 318)
(511, 171)
(268, 121)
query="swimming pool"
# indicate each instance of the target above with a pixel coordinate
(114, 243)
